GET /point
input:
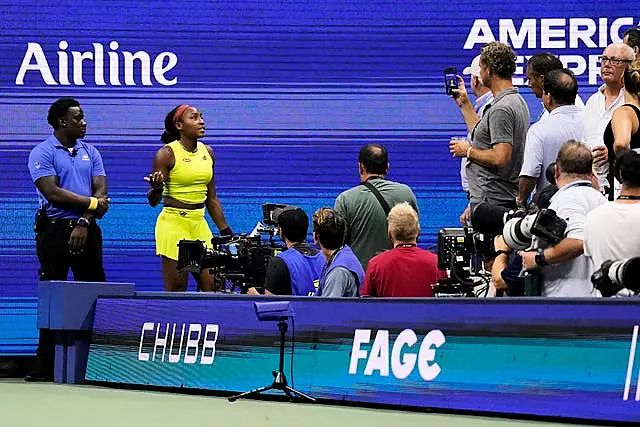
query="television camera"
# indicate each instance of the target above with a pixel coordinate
(239, 261)
(464, 252)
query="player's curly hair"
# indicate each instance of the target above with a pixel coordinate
(499, 58)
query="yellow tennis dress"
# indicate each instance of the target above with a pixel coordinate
(187, 182)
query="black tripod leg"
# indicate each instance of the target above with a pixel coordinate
(289, 390)
(250, 393)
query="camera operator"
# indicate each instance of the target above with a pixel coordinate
(608, 233)
(495, 155)
(564, 270)
(342, 275)
(295, 271)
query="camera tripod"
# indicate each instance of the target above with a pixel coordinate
(280, 380)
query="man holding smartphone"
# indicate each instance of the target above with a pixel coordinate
(483, 97)
(498, 137)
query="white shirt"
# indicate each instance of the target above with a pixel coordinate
(545, 138)
(579, 102)
(595, 120)
(572, 278)
(611, 233)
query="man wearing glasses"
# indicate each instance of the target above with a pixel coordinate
(598, 110)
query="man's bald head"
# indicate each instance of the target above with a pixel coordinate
(615, 60)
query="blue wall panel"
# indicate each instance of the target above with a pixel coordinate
(290, 90)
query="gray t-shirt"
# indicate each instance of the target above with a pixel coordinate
(340, 282)
(505, 120)
(366, 221)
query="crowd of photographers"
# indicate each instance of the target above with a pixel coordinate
(538, 192)
(541, 190)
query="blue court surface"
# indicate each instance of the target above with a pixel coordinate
(52, 405)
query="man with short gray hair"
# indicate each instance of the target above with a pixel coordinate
(600, 106)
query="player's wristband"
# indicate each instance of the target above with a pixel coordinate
(93, 203)
(469, 152)
(226, 232)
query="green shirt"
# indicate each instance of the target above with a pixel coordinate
(366, 221)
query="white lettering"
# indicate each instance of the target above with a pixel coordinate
(34, 51)
(602, 40)
(73, 62)
(98, 72)
(427, 354)
(594, 69)
(581, 29)
(614, 30)
(209, 344)
(175, 358)
(402, 368)
(402, 364)
(516, 39)
(114, 64)
(192, 343)
(480, 34)
(632, 355)
(145, 67)
(547, 33)
(159, 70)
(361, 336)
(575, 63)
(379, 356)
(63, 63)
(78, 63)
(148, 326)
(160, 342)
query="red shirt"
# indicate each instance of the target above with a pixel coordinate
(402, 272)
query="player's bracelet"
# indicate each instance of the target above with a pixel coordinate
(93, 203)
(469, 152)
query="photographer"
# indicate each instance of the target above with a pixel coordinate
(295, 271)
(609, 230)
(342, 274)
(564, 270)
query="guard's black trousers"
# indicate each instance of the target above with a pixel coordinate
(52, 247)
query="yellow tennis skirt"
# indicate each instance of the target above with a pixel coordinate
(175, 224)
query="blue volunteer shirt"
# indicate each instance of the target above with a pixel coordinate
(305, 271)
(74, 171)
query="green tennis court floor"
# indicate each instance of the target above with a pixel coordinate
(52, 405)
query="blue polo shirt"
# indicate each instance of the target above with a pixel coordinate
(74, 169)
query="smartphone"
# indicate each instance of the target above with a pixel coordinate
(450, 80)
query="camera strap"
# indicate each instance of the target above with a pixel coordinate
(374, 190)
(628, 197)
